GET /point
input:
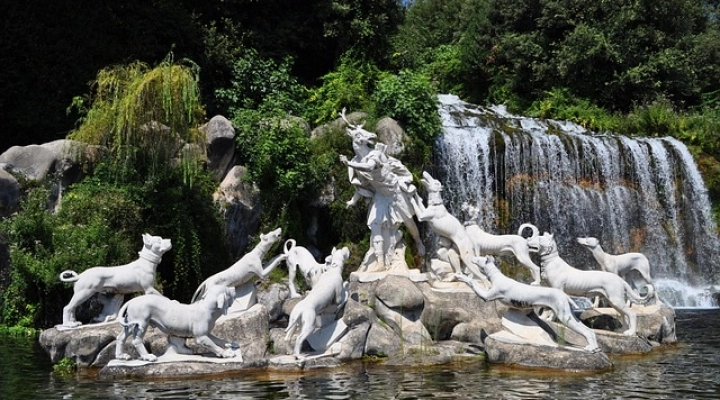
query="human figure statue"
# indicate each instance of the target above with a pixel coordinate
(388, 184)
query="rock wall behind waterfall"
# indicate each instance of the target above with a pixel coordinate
(634, 194)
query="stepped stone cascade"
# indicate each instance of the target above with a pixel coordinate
(634, 194)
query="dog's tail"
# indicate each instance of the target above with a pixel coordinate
(635, 296)
(533, 228)
(122, 316)
(73, 276)
(289, 245)
(292, 323)
(199, 293)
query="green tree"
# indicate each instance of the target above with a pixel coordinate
(143, 115)
(614, 53)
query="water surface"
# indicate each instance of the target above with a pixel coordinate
(689, 370)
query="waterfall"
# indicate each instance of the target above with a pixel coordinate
(633, 194)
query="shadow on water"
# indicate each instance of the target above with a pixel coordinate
(689, 370)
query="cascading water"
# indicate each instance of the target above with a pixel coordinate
(633, 194)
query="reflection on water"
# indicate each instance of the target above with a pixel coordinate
(689, 370)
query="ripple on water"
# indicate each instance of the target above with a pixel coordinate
(690, 370)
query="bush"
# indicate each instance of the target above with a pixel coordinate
(410, 99)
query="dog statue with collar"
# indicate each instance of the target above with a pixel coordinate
(137, 276)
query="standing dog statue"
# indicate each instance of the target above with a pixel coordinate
(488, 244)
(250, 264)
(328, 291)
(620, 264)
(178, 321)
(523, 296)
(299, 257)
(138, 276)
(577, 282)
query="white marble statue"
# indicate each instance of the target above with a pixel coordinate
(522, 296)
(137, 276)
(244, 269)
(575, 282)
(488, 244)
(300, 258)
(444, 223)
(620, 264)
(178, 321)
(327, 292)
(388, 184)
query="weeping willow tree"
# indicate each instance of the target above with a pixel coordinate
(147, 117)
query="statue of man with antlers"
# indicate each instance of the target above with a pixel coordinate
(388, 184)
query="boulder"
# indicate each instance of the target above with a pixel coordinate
(356, 118)
(239, 203)
(34, 162)
(81, 344)
(220, 138)
(9, 194)
(505, 348)
(392, 134)
(250, 330)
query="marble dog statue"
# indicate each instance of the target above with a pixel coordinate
(327, 291)
(137, 276)
(300, 258)
(488, 244)
(519, 295)
(620, 264)
(575, 282)
(250, 264)
(178, 321)
(444, 223)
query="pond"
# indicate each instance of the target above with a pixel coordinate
(689, 370)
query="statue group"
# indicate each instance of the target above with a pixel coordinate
(464, 262)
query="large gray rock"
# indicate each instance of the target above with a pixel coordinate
(392, 134)
(81, 344)
(457, 313)
(9, 194)
(239, 201)
(273, 297)
(505, 348)
(356, 118)
(397, 292)
(251, 330)
(220, 138)
(34, 162)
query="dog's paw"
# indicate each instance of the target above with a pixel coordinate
(123, 356)
(149, 357)
(228, 354)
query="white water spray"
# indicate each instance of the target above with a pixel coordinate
(634, 194)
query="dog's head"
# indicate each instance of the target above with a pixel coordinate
(222, 296)
(430, 183)
(485, 263)
(589, 242)
(271, 237)
(156, 244)
(338, 257)
(546, 244)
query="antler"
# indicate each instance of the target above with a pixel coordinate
(344, 118)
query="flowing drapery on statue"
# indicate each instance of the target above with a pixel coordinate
(387, 183)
